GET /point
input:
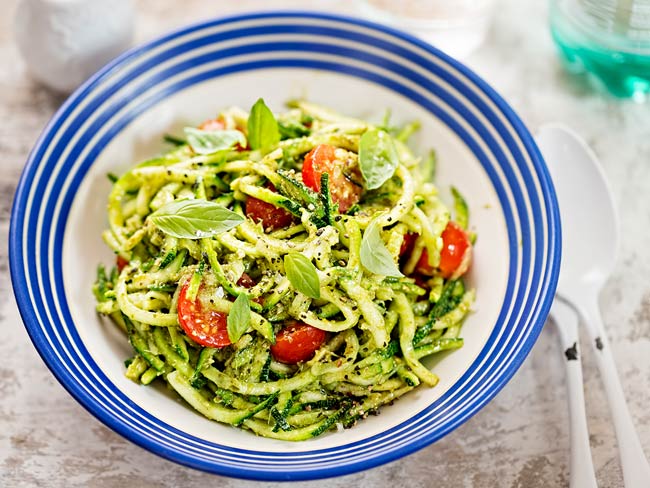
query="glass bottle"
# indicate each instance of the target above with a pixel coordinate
(608, 40)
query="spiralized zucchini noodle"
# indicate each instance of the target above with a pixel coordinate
(286, 273)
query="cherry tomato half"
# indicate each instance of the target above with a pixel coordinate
(121, 263)
(213, 124)
(272, 217)
(342, 175)
(455, 255)
(246, 281)
(407, 244)
(219, 124)
(297, 342)
(202, 324)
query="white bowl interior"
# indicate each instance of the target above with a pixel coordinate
(84, 249)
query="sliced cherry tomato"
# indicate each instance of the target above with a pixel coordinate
(213, 124)
(272, 217)
(246, 281)
(423, 267)
(455, 255)
(407, 244)
(343, 175)
(456, 251)
(421, 280)
(297, 342)
(407, 248)
(202, 324)
(121, 263)
(219, 124)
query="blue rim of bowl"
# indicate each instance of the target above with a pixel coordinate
(536, 315)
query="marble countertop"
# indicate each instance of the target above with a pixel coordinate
(520, 439)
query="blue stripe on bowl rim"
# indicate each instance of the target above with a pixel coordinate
(381, 448)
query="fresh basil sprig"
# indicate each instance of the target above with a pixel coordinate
(239, 318)
(263, 130)
(378, 157)
(208, 142)
(194, 219)
(374, 255)
(302, 274)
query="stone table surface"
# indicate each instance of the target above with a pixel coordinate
(520, 439)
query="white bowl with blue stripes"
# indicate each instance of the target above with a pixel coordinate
(360, 69)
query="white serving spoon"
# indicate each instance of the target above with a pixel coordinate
(565, 318)
(589, 245)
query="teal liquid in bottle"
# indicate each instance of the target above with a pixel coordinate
(612, 55)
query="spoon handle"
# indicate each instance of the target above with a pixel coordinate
(636, 470)
(582, 469)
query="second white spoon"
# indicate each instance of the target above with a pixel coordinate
(589, 245)
(582, 473)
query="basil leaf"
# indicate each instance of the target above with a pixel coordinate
(211, 141)
(239, 318)
(378, 157)
(263, 129)
(302, 274)
(374, 255)
(194, 219)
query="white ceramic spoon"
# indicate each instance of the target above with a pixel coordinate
(589, 245)
(582, 474)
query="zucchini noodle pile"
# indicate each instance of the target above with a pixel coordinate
(378, 327)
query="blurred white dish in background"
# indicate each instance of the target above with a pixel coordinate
(457, 27)
(63, 42)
